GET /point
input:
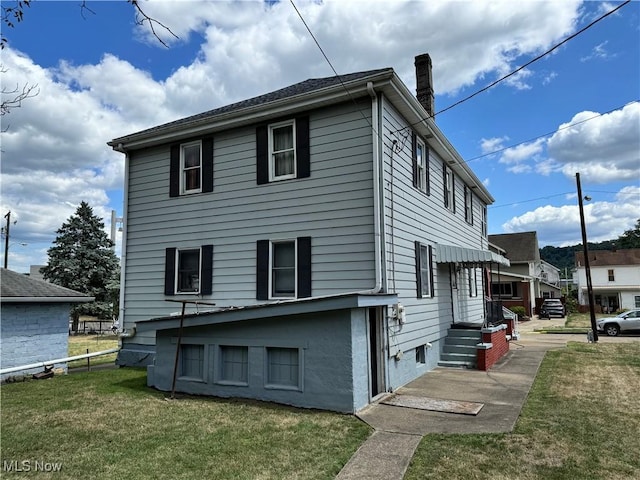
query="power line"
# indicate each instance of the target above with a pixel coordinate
(549, 133)
(530, 200)
(542, 55)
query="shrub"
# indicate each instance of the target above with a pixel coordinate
(518, 310)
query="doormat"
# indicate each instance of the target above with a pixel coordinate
(435, 404)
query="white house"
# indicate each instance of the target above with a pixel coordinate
(615, 278)
(337, 231)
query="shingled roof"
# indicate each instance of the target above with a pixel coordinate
(16, 287)
(520, 247)
(605, 258)
(305, 87)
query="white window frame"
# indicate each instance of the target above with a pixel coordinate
(468, 206)
(448, 187)
(473, 282)
(421, 161)
(272, 153)
(611, 275)
(425, 267)
(183, 169)
(484, 220)
(295, 279)
(177, 271)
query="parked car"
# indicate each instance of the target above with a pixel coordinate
(551, 307)
(623, 322)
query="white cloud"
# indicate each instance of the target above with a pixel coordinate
(523, 152)
(599, 52)
(54, 153)
(560, 225)
(491, 145)
(602, 148)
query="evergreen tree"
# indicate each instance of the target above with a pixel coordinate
(82, 259)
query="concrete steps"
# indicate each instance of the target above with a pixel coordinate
(459, 349)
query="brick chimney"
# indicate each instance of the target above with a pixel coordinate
(424, 83)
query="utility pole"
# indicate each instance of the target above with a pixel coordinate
(6, 239)
(587, 269)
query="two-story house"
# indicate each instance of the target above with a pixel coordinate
(529, 279)
(336, 230)
(615, 279)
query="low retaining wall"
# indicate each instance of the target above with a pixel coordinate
(493, 347)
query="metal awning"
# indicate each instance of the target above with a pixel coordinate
(468, 256)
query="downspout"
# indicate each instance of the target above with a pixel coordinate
(123, 256)
(378, 201)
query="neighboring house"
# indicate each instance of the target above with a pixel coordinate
(615, 279)
(528, 277)
(336, 230)
(35, 321)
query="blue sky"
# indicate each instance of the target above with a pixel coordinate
(101, 76)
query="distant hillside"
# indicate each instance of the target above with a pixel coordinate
(564, 257)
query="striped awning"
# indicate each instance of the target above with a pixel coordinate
(468, 256)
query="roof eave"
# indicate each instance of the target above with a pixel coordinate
(426, 126)
(248, 115)
(47, 299)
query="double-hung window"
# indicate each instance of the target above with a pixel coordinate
(420, 164)
(468, 205)
(191, 167)
(473, 282)
(283, 268)
(282, 151)
(484, 221)
(449, 194)
(189, 270)
(424, 270)
(611, 275)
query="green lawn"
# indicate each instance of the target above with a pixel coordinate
(581, 421)
(79, 344)
(108, 425)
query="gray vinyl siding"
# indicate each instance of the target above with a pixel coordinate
(334, 206)
(411, 215)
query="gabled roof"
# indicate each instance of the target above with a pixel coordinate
(604, 258)
(520, 247)
(298, 89)
(18, 288)
(301, 97)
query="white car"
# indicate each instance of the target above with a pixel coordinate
(623, 322)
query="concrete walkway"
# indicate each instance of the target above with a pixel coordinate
(503, 391)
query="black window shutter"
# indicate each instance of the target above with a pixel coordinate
(303, 160)
(471, 208)
(453, 191)
(262, 154)
(431, 271)
(446, 187)
(262, 270)
(206, 268)
(207, 164)
(170, 271)
(304, 267)
(414, 158)
(418, 272)
(427, 165)
(174, 171)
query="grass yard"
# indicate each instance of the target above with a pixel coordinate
(581, 421)
(79, 344)
(108, 425)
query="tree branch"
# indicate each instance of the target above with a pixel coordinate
(142, 18)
